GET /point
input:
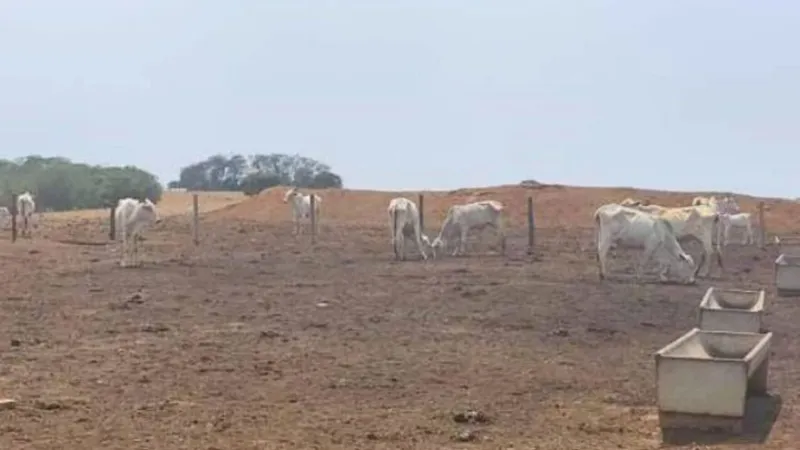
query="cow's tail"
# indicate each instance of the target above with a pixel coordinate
(717, 224)
(597, 236)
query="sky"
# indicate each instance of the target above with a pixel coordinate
(418, 94)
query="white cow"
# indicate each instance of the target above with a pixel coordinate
(132, 217)
(5, 217)
(622, 226)
(25, 209)
(301, 207)
(740, 220)
(404, 222)
(692, 222)
(461, 218)
(731, 216)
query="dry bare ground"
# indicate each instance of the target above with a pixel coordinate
(259, 340)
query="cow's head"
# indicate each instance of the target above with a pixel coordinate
(290, 194)
(685, 267)
(150, 211)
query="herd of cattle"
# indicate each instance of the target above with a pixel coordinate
(657, 230)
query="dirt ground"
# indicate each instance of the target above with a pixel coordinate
(259, 340)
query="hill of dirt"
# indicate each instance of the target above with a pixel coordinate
(555, 206)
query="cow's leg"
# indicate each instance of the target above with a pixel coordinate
(463, 243)
(394, 246)
(647, 255)
(603, 246)
(664, 271)
(708, 248)
(123, 260)
(501, 236)
(419, 245)
(135, 242)
(727, 232)
(748, 238)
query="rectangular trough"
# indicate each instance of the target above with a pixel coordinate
(732, 310)
(704, 377)
(787, 275)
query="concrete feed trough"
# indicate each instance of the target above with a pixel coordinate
(703, 378)
(731, 310)
(787, 275)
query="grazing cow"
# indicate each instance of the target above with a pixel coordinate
(132, 217)
(25, 209)
(404, 222)
(461, 218)
(692, 222)
(622, 226)
(301, 207)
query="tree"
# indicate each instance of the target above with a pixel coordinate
(59, 184)
(256, 182)
(255, 173)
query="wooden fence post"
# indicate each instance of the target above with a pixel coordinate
(14, 217)
(422, 213)
(761, 225)
(313, 218)
(112, 223)
(195, 220)
(531, 226)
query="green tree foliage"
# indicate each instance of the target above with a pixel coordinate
(255, 173)
(60, 184)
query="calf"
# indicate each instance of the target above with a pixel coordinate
(404, 222)
(618, 225)
(462, 218)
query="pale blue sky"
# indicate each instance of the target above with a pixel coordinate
(416, 93)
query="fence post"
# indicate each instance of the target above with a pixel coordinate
(112, 223)
(313, 218)
(421, 212)
(761, 225)
(195, 220)
(531, 226)
(14, 217)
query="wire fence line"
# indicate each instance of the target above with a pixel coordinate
(527, 236)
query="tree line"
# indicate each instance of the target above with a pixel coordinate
(252, 174)
(59, 184)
